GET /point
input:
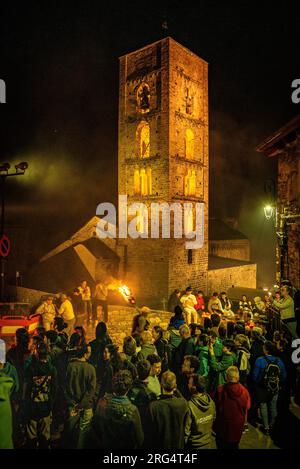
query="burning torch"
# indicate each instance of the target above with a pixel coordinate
(127, 295)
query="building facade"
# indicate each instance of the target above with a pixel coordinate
(284, 144)
(163, 157)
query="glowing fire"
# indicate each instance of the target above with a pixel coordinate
(125, 291)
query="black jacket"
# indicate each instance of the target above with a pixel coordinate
(81, 384)
(169, 415)
(41, 388)
(141, 396)
(117, 424)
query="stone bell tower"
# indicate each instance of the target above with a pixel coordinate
(163, 157)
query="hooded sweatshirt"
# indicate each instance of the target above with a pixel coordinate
(232, 403)
(220, 367)
(200, 420)
(6, 385)
(9, 370)
(203, 361)
(118, 425)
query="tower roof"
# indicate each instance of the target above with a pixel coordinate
(165, 39)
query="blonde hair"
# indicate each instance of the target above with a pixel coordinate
(232, 375)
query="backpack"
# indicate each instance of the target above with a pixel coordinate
(271, 378)
(40, 400)
(243, 362)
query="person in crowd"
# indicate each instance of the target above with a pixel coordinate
(80, 395)
(153, 382)
(207, 324)
(186, 347)
(53, 349)
(162, 347)
(196, 335)
(230, 330)
(141, 396)
(140, 322)
(267, 300)
(245, 303)
(6, 418)
(62, 337)
(203, 356)
(174, 300)
(189, 367)
(48, 312)
(232, 403)
(286, 307)
(257, 343)
(81, 331)
(175, 322)
(67, 313)
(216, 320)
(217, 344)
(7, 369)
(178, 319)
(99, 343)
(84, 293)
(226, 305)
(243, 357)
(214, 304)
(39, 392)
(169, 416)
(202, 413)
(110, 363)
(188, 301)
(200, 306)
(130, 350)
(259, 305)
(117, 424)
(228, 359)
(100, 299)
(147, 347)
(17, 355)
(268, 374)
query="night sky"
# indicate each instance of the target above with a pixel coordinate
(60, 63)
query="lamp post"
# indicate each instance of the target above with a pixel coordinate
(4, 174)
(283, 216)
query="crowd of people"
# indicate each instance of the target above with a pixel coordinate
(196, 384)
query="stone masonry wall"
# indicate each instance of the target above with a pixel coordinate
(120, 321)
(222, 279)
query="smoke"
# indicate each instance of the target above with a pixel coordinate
(237, 178)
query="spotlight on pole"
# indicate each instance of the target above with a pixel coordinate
(269, 211)
(4, 167)
(21, 167)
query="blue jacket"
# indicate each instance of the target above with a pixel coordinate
(261, 364)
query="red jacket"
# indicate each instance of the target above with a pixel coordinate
(200, 303)
(232, 403)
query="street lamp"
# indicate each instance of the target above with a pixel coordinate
(20, 169)
(269, 211)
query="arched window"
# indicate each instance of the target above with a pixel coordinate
(190, 183)
(143, 139)
(143, 98)
(136, 182)
(142, 182)
(189, 143)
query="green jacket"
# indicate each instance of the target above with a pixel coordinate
(203, 361)
(221, 367)
(6, 385)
